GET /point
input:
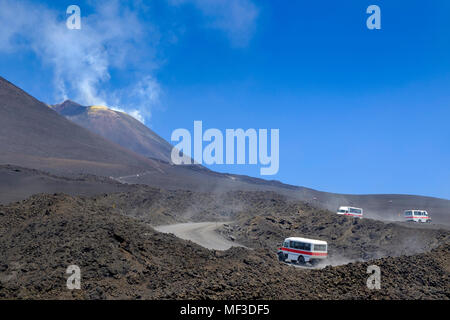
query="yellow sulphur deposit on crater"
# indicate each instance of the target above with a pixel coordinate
(98, 108)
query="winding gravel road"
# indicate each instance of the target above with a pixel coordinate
(202, 233)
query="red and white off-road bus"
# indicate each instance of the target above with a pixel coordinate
(417, 216)
(302, 250)
(351, 211)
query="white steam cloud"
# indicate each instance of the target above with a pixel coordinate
(146, 90)
(113, 39)
(81, 60)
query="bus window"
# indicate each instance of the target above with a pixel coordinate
(300, 245)
(305, 246)
(320, 247)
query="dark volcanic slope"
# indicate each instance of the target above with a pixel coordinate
(118, 127)
(32, 135)
(122, 258)
(18, 183)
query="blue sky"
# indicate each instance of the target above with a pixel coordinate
(359, 111)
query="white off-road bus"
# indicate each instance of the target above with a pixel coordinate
(417, 216)
(302, 250)
(351, 211)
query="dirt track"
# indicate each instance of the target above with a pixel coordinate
(202, 233)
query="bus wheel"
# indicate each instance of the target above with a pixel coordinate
(301, 260)
(281, 257)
